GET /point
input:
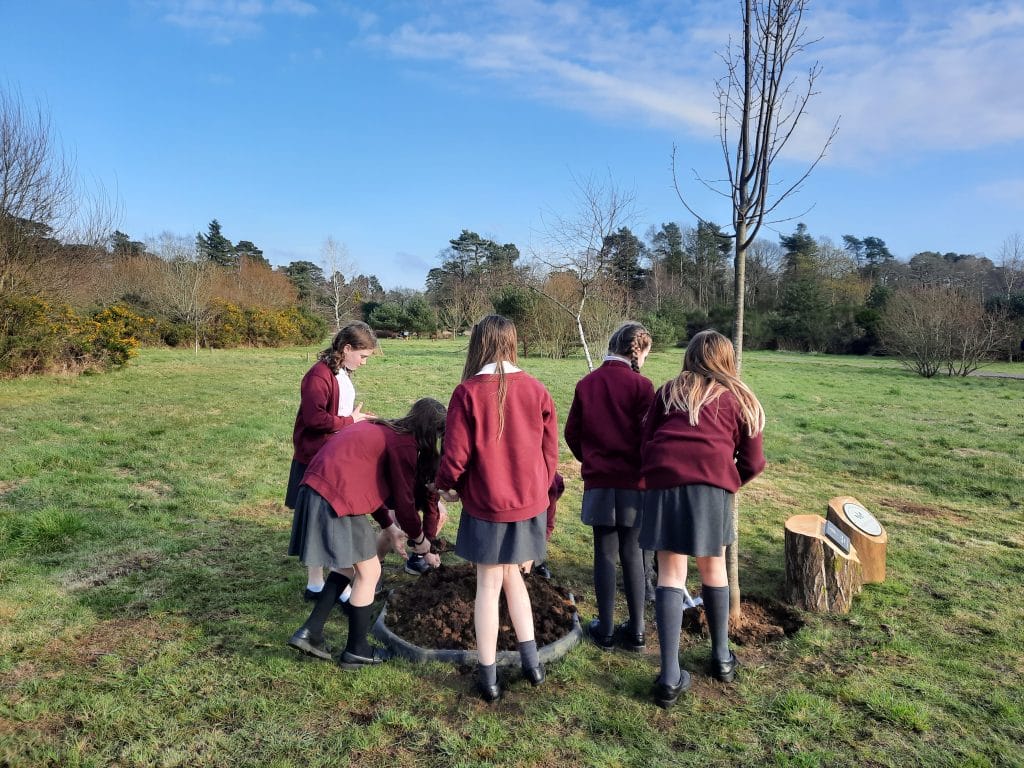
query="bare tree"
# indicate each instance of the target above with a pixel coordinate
(43, 208)
(576, 244)
(935, 327)
(1011, 263)
(759, 108)
(337, 263)
(186, 288)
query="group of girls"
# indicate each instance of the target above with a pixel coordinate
(659, 469)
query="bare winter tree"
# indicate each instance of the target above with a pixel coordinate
(337, 263)
(935, 327)
(185, 290)
(43, 207)
(759, 108)
(1011, 263)
(575, 244)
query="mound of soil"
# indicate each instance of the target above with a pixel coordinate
(436, 611)
(761, 621)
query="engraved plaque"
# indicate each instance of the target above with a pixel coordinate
(861, 518)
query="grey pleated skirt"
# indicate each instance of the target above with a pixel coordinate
(320, 537)
(619, 507)
(486, 543)
(294, 481)
(689, 520)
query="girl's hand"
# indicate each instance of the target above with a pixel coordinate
(434, 561)
(396, 540)
(358, 415)
(450, 496)
(442, 516)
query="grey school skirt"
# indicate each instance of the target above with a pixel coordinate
(294, 481)
(688, 519)
(609, 507)
(486, 543)
(320, 537)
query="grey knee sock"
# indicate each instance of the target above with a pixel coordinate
(606, 546)
(716, 608)
(668, 608)
(631, 558)
(528, 654)
(487, 674)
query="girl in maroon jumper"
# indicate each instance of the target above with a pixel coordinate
(500, 457)
(327, 404)
(603, 431)
(702, 441)
(350, 478)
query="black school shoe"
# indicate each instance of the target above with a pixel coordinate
(303, 641)
(534, 674)
(725, 671)
(351, 660)
(489, 693)
(604, 642)
(667, 695)
(629, 641)
(542, 570)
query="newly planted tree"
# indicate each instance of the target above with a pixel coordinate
(759, 107)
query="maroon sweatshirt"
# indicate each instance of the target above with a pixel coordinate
(504, 479)
(318, 417)
(364, 466)
(605, 424)
(718, 451)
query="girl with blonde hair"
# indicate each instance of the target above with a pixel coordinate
(702, 441)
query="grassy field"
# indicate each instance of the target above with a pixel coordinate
(145, 597)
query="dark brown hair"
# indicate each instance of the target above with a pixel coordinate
(357, 335)
(425, 422)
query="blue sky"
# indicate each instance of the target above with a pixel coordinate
(391, 126)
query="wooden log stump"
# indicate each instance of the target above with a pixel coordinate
(820, 577)
(867, 534)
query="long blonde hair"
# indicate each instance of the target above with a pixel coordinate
(492, 340)
(709, 370)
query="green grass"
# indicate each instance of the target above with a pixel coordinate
(145, 596)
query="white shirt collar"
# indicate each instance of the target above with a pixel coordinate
(506, 366)
(618, 359)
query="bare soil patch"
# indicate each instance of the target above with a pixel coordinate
(436, 611)
(104, 574)
(762, 621)
(922, 510)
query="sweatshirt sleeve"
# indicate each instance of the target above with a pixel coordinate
(574, 426)
(750, 461)
(314, 397)
(457, 442)
(401, 477)
(653, 419)
(550, 440)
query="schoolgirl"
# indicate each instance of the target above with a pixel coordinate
(327, 403)
(603, 431)
(702, 441)
(500, 457)
(348, 479)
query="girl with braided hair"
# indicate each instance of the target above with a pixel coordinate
(603, 431)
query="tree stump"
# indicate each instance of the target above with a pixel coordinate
(819, 576)
(865, 532)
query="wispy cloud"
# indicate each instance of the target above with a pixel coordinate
(224, 21)
(940, 76)
(1006, 191)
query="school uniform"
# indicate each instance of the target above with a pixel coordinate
(692, 474)
(326, 402)
(603, 432)
(354, 475)
(502, 481)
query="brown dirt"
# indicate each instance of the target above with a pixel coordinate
(104, 574)
(922, 510)
(761, 621)
(436, 611)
